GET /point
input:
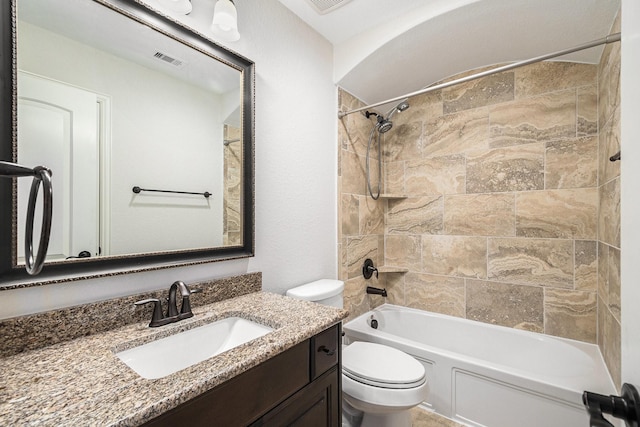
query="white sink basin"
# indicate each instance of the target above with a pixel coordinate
(165, 356)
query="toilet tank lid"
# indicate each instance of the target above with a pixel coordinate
(318, 290)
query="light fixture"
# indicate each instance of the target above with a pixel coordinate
(182, 7)
(225, 21)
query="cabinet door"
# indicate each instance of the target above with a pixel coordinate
(316, 405)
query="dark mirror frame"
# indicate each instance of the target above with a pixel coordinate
(12, 276)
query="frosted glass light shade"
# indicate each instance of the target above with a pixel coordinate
(225, 21)
(178, 6)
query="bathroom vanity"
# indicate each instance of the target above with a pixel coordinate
(300, 386)
(290, 375)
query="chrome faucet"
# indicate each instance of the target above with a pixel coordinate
(158, 319)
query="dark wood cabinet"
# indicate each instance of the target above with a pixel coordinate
(299, 387)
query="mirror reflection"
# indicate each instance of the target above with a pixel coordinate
(109, 104)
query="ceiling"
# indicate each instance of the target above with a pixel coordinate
(386, 48)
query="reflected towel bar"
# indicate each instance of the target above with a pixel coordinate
(137, 190)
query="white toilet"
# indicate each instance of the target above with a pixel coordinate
(382, 382)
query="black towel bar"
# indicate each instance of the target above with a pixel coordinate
(137, 190)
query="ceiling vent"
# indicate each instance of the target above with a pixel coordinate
(168, 59)
(326, 6)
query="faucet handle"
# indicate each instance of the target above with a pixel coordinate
(157, 318)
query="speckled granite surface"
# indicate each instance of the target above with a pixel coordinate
(81, 382)
(39, 330)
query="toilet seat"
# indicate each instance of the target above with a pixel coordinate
(381, 366)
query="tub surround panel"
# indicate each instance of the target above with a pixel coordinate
(44, 329)
(504, 211)
(82, 382)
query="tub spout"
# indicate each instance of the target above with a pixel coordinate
(376, 291)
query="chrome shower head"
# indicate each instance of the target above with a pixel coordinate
(384, 125)
(398, 108)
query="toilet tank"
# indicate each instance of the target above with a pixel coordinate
(324, 291)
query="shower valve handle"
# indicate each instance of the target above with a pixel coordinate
(368, 269)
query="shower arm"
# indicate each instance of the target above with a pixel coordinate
(41, 175)
(611, 38)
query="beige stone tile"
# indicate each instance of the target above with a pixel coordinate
(394, 177)
(354, 297)
(422, 107)
(371, 214)
(614, 283)
(587, 111)
(459, 256)
(542, 262)
(342, 261)
(601, 321)
(572, 163)
(424, 418)
(360, 248)
(353, 173)
(438, 294)
(542, 118)
(403, 251)
(350, 208)
(586, 265)
(456, 133)
(609, 140)
(481, 92)
(608, 83)
(395, 288)
(506, 169)
(603, 273)
(570, 213)
(354, 131)
(436, 175)
(403, 141)
(544, 77)
(480, 214)
(505, 304)
(612, 347)
(609, 220)
(570, 314)
(415, 215)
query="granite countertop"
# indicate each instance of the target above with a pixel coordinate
(82, 382)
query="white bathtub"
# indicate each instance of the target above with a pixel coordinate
(487, 375)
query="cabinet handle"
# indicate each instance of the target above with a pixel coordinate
(326, 351)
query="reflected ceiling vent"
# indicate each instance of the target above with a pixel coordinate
(168, 59)
(326, 6)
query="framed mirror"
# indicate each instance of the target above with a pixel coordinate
(147, 128)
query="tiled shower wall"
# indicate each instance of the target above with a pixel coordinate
(232, 224)
(501, 220)
(609, 338)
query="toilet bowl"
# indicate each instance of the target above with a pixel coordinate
(382, 382)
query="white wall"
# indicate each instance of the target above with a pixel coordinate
(630, 205)
(296, 167)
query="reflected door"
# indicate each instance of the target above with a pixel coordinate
(58, 127)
